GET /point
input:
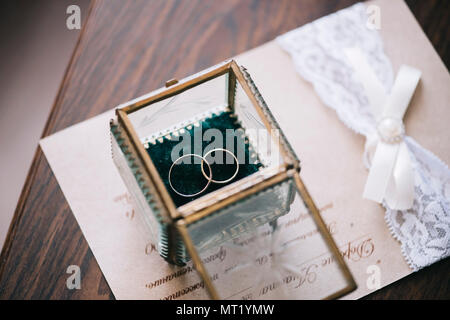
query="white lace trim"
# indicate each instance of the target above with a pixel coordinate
(317, 53)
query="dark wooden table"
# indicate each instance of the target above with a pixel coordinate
(125, 50)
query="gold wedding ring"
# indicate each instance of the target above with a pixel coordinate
(209, 179)
(224, 150)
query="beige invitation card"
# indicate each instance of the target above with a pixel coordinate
(332, 169)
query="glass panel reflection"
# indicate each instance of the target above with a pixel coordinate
(284, 257)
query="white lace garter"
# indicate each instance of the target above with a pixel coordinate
(317, 50)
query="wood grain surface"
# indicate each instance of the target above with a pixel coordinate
(126, 49)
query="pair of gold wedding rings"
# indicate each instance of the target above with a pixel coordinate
(208, 177)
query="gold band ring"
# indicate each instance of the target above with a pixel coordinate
(209, 167)
(209, 179)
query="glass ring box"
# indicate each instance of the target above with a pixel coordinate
(215, 182)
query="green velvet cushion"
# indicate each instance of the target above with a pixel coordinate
(188, 178)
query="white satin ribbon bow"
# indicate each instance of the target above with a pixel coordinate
(391, 176)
